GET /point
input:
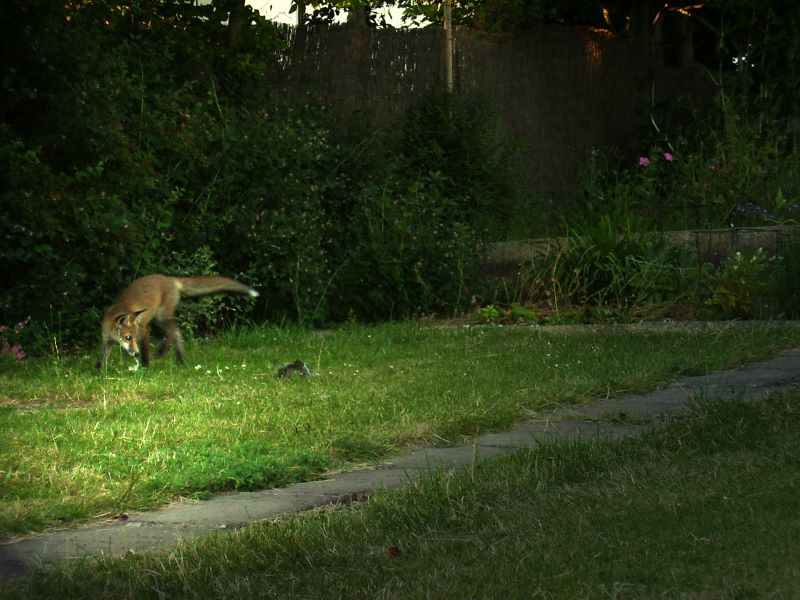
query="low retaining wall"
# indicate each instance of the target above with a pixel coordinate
(711, 246)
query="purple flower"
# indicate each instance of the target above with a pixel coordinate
(712, 167)
(668, 157)
(644, 161)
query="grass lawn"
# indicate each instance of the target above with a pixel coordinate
(80, 445)
(705, 507)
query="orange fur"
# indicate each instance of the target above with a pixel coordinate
(155, 298)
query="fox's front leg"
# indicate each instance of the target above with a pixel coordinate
(105, 348)
(144, 349)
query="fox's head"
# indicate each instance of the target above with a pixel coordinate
(128, 327)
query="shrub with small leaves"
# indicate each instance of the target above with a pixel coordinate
(744, 287)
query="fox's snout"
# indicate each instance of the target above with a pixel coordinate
(129, 346)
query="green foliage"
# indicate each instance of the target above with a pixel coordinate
(612, 273)
(737, 178)
(733, 163)
(488, 314)
(457, 142)
(744, 287)
(140, 138)
(414, 235)
(788, 279)
(155, 147)
(608, 263)
(503, 16)
(411, 250)
(724, 172)
(516, 314)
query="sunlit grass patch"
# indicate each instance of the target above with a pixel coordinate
(81, 444)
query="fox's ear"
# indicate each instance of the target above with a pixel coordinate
(120, 320)
(137, 318)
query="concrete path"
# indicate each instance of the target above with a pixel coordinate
(612, 418)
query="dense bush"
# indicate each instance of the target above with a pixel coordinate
(136, 139)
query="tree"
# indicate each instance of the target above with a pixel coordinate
(358, 11)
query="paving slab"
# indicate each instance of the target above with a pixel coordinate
(610, 418)
(534, 433)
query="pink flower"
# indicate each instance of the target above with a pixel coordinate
(15, 351)
(712, 167)
(668, 157)
(644, 161)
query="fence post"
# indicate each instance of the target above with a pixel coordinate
(448, 44)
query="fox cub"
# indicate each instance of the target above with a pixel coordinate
(155, 298)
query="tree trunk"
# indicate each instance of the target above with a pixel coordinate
(236, 23)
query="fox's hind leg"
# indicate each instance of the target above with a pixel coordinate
(163, 347)
(175, 338)
(167, 322)
(164, 342)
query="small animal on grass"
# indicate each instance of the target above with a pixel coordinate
(155, 298)
(297, 366)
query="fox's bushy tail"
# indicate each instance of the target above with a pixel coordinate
(192, 287)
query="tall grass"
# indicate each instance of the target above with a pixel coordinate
(80, 445)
